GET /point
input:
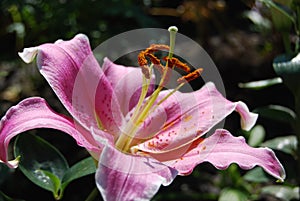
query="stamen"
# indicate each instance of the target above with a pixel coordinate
(160, 68)
(145, 87)
(142, 59)
(153, 59)
(167, 96)
(176, 62)
(99, 123)
(167, 75)
(143, 63)
(170, 63)
(146, 71)
(157, 47)
(191, 76)
(156, 63)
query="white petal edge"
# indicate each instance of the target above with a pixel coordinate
(28, 54)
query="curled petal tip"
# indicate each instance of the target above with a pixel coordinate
(13, 163)
(247, 125)
(281, 177)
(248, 119)
(28, 54)
(279, 173)
(59, 41)
(81, 35)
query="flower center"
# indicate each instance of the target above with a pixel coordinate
(145, 106)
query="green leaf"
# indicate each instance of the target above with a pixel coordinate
(289, 71)
(83, 168)
(257, 135)
(40, 162)
(256, 175)
(261, 84)
(287, 144)
(55, 182)
(277, 112)
(4, 197)
(232, 195)
(279, 8)
(285, 193)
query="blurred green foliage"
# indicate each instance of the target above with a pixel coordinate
(34, 22)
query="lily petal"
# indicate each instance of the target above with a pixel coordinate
(190, 116)
(34, 113)
(222, 149)
(139, 178)
(75, 76)
(127, 83)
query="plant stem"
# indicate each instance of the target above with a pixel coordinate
(92, 196)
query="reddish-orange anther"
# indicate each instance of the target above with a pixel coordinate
(175, 62)
(156, 47)
(191, 76)
(144, 64)
(149, 53)
(153, 59)
(142, 59)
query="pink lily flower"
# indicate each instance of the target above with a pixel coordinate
(138, 150)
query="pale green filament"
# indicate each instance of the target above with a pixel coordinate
(166, 97)
(99, 123)
(146, 84)
(131, 128)
(140, 114)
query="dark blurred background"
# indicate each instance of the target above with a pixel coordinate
(241, 50)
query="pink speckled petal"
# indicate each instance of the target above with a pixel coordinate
(222, 149)
(189, 116)
(34, 113)
(121, 177)
(75, 76)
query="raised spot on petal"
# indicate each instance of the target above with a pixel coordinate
(151, 144)
(186, 118)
